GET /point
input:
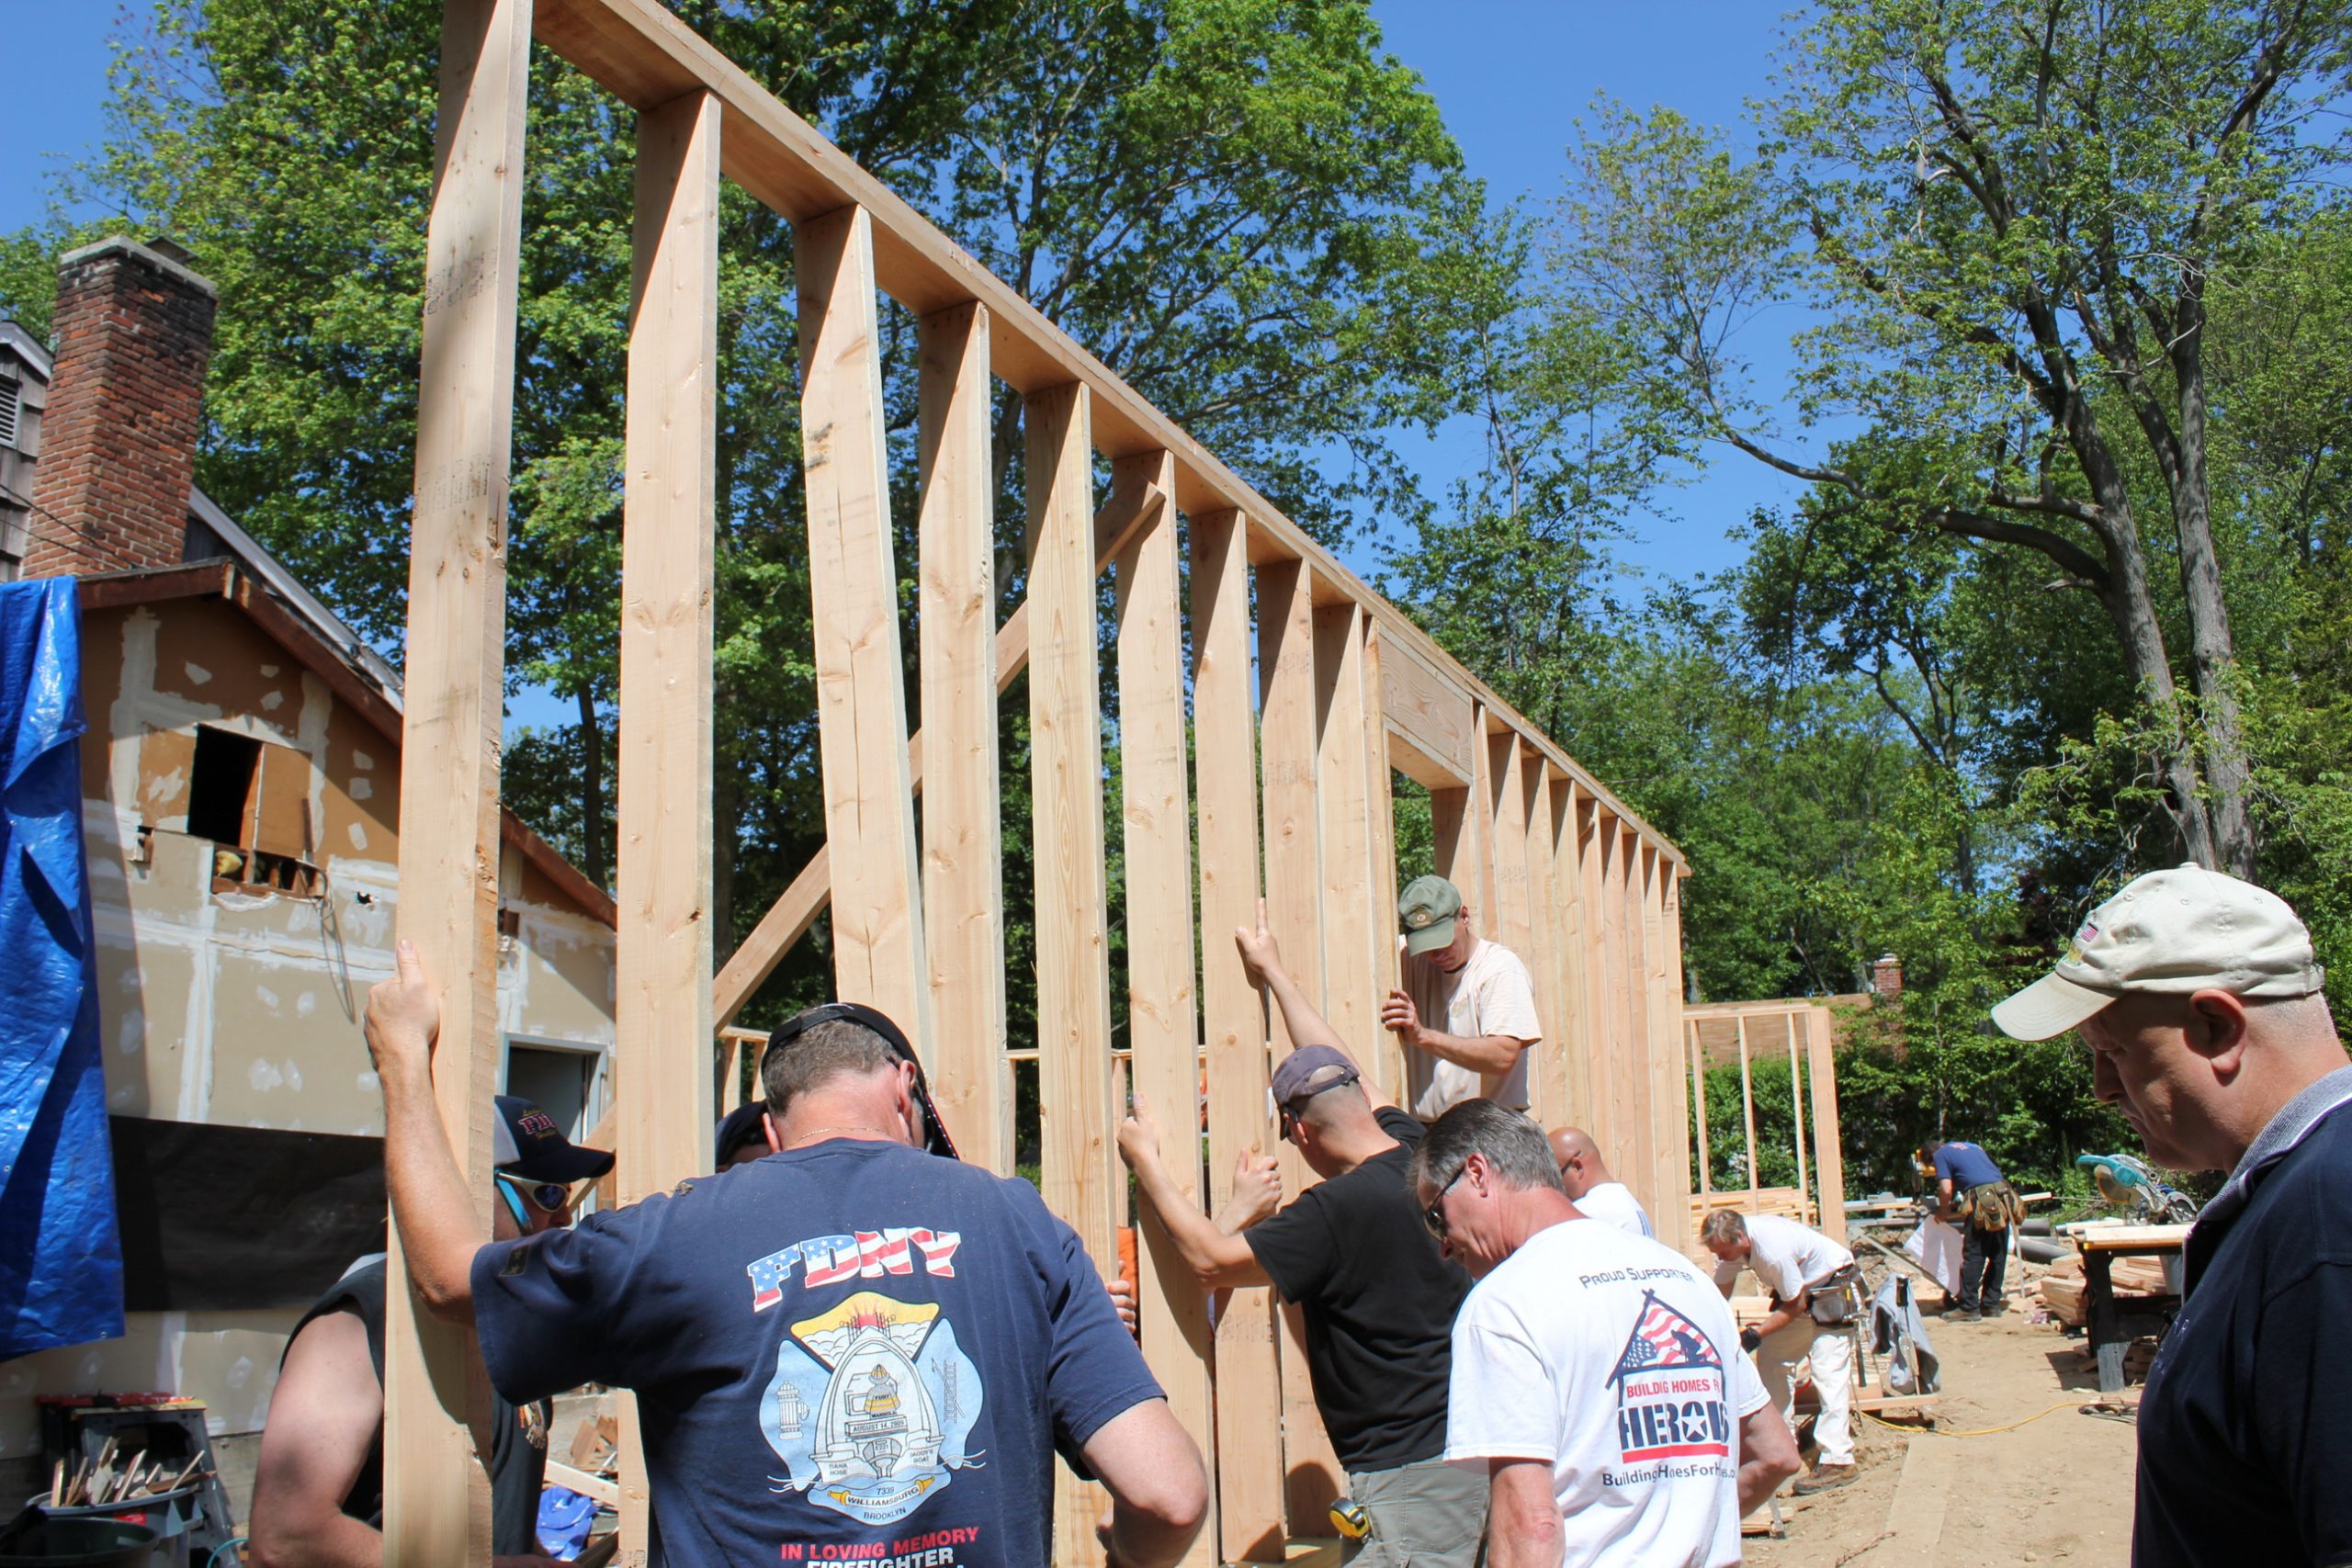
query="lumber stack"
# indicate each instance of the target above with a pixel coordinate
(2064, 1292)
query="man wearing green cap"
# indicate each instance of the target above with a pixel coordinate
(1467, 1016)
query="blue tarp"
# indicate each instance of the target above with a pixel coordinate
(60, 1260)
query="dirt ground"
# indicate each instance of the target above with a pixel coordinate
(2055, 1490)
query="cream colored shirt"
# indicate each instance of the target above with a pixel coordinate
(1490, 994)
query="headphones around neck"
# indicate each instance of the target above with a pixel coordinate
(936, 1138)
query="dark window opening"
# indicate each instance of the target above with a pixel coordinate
(220, 787)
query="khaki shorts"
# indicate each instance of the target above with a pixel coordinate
(1428, 1515)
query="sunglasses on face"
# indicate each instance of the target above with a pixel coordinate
(1434, 1215)
(551, 1197)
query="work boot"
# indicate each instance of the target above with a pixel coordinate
(1963, 1314)
(1824, 1478)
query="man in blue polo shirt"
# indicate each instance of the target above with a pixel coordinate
(1970, 1193)
(2201, 1003)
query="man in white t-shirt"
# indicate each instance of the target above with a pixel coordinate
(1467, 1016)
(1597, 1380)
(1586, 1179)
(1792, 1262)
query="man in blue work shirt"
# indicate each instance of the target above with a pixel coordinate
(1970, 1194)
(2198, 998)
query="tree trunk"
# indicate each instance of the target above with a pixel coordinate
(2212, 650)
(592, 790)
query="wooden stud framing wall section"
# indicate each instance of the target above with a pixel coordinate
(1330, 685)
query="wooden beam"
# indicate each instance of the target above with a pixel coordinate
(1478, 892)
(1670, 924)
(788, 920)
(1797, 1103)
(1548, 1074)
(437, 1497)
(1748, 1104)
(1286, 743)
(1065, 787)
(1575, 1026)
(1386, 1055)
(1249, 1407)
(662, 1006)
(1641, 1060)
(1431, 715)
(1828, 1154)
(1593, 859)
(1512, 920)
(1356, 906)
(879, 955)
(1696, 1061)
(1162, 1034)
(963, 868)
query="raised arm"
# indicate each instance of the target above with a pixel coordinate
(429, 1204)
(1217, 1258)
(1264, 958)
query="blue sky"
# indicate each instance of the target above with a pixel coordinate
(1510, 77)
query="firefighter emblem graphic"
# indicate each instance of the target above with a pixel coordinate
(892, 1424)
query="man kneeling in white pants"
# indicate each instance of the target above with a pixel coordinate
(1792, 1261)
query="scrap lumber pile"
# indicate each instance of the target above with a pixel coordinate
(2063, 1289)
(111, 1476)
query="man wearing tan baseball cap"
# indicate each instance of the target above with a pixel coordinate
(2201, 1002)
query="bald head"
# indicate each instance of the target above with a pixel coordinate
(1578, 1157)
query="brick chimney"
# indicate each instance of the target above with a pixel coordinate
(134, 333)
(1886, 977)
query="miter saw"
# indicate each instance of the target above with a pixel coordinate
(2131, 1186)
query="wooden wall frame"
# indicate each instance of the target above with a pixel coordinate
(1334, 688)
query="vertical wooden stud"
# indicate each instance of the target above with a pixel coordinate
(963, 866)
(1697, 1055)
(1354, 967)
(1594, 858)
(1676, 1111)
(1748, 1104)
(1157, 829)
(662, 958)
(1829, 1159)
(1249, 1407)
(1796, 1100)
(1509, 921)
(853, 584)
(1294, 909)
(1576, 1025)
(1641, 1057)
(1380, 819)
(437, 1497)
(1480, 892)
(1548, 1074)
(1073, 959)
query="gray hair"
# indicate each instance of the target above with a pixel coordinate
(824, 1052)
(1515, 1147)
(1726, 1225)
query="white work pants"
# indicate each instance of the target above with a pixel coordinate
(1831, 1351)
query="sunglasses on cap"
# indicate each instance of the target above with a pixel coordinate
(935, 1139)
(1286, 1111)
(551, 1197)
(1434, 1215)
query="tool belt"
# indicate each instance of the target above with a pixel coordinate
(1835, 1299)
(1992, 1206)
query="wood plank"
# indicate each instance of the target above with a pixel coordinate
(645, 55)
(853, 579)
(1677, 1122)
(963, 829)
(1431, 715)
(1510, 920)
(1065, 788)
(788, 920)
(1828, 1156)
(1611, 1055)
(1640, 1043)
(1249, 1407)
(1695, 1062)
(1478, 892)
(1796, 1099)
(1576, 1025)
(1286, 742)
(1380, 821)
(1548, 1078)
(437, 1497)
(662, 958)
(1747, 1106)
(1357, 947)
(1162, 1037)
(1594, 858)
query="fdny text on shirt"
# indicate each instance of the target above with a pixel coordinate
(866, 1254)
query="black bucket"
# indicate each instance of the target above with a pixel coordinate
(79, 1543)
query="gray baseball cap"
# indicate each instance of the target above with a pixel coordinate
(1427, 908)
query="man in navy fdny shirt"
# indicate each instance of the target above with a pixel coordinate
(2200, 1001)
(849, 1350)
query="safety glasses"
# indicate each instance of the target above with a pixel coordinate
(1434, 1215)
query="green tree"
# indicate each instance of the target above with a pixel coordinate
(2014, 217)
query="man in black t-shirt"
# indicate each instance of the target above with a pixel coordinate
(1353, 1253)
(319, 1484)
(2200, 1000)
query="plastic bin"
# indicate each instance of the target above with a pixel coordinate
(168, 1517)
